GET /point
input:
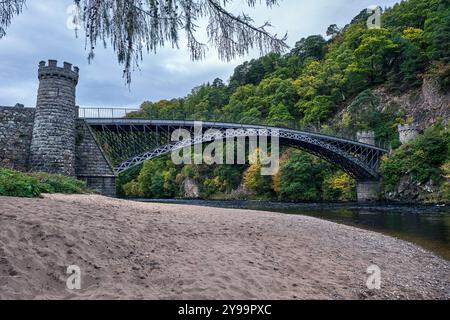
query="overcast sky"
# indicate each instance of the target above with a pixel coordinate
(40, 33)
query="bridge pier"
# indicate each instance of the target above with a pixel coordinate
(92, 164)
(368, 191)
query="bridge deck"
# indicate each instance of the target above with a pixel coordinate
(136, 123)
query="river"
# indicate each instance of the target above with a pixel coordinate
(426, 226)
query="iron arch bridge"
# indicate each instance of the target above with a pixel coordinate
(129, 142)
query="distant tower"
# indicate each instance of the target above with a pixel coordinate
(367, 137)
(53, 141)
(408, 132)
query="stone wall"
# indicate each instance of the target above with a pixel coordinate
(92, 165)
(50, 138)
(103, 185)
(16, 127)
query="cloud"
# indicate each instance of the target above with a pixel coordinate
(40, 33)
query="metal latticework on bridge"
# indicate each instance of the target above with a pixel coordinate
(129, 142)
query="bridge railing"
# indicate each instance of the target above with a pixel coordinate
(105, 113)
(121, 113)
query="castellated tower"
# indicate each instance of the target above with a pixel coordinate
(53, 140)
(367, 137)
(408, 132)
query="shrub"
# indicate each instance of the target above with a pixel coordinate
(51, 183)
(19, 184)
(339, 187)
(421, 158)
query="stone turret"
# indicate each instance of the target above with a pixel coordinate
(367, 137)
(408, 132)
(53, 139)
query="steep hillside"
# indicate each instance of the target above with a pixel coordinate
(357, 79)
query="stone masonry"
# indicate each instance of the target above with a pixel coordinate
(50, 138)
(53, 143)
(92, 165)
(367, 137)
(16, 126)
(408, 132)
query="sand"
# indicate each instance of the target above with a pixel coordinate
(131, 250)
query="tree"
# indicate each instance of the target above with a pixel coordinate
(374, 55)
(333, 31)
(254, 181)
(8, 9)
(279, 116)
(300, 177)
(316, 110)
(312, 47)
(411, 13)
(339, 187)
(437, 32)
(157, 179)
(412, 64)
(310, 81)
(135, 26)
(422, 158)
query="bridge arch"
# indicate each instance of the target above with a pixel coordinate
(358, 159)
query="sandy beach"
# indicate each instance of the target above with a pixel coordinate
(130, 250)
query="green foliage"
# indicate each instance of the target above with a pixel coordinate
(364, 114)
(279, 116)
(157, 179)
(437, 33)
(374, 55)
(254, 181)
(19, 184)
(422, 158)
(339, 187)
(329, 85)
(125, 182)
(300, 178)
(312, 47)
(55, 183)
(317, 110)
(411, 13)
(254, 72)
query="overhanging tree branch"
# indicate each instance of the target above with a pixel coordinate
(132, 26)
(8, 9)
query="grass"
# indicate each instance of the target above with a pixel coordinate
(20, 184)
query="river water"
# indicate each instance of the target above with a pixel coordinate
(426, 226)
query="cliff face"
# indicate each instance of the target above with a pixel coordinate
(426, 105)
(411, 191)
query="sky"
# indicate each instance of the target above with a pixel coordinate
(41, 33)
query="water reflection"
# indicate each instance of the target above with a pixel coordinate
(430, 230)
